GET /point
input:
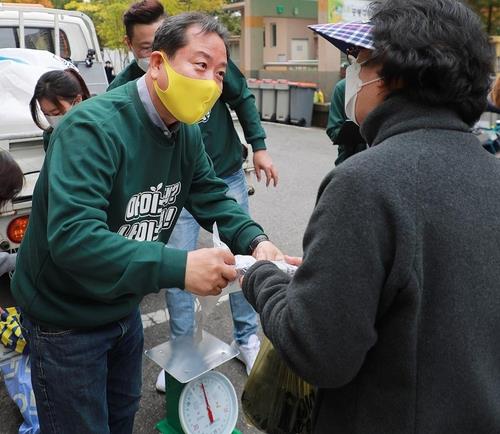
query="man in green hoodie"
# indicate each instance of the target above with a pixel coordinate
(119, 169)
(225, 150)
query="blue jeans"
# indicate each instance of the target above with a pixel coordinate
(181, 303)
(87, 381)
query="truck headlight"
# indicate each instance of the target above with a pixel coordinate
(17, 229)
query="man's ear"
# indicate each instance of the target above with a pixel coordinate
(155, 63)
(127, 42)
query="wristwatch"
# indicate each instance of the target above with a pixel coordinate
(256, 241)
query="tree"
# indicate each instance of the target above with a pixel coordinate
(174, 7)
(489, 11)
(107, 16)
(232, 21)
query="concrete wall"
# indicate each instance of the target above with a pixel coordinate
(286, 30)
(285, 8)
(253, 26)
(328, 55)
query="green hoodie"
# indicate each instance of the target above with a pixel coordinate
(110, 179)
(221, 140)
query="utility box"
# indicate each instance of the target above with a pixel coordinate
(301, 103)
(282, 101)
(268, 90)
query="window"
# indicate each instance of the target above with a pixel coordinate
(39, 39)
(42, 38)
(273, 35)
(7, 37)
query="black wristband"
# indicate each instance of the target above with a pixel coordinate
(256, 241)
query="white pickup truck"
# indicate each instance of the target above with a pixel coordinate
(60, 35)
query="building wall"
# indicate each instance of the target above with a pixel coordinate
(292, 18)
(286, 30)
(285, 8)
(328, 55)
(253, 26)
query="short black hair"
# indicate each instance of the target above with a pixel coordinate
(57, 85)
(11, 178)
(143, 12)
(435, 51)
(171, 35)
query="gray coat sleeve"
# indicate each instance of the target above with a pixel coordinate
(7, 262)
(323, 320)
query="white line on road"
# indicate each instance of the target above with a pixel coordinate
(161, 316)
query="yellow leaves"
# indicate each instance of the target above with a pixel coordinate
(174, 7)
(107, 15)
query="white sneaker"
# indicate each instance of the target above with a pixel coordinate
(160, 382)
(248, 351)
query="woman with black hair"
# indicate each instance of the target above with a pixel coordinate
(11, 183)
(56, 92)
(395, 318)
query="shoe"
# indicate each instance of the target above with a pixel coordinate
(160, 382)
(248, 351)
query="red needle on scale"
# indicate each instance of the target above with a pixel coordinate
(209, 410)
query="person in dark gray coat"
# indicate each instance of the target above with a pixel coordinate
(396, 317)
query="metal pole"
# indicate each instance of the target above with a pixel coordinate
(57, 41)
(21, 29)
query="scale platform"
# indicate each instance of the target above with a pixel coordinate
(186, 358)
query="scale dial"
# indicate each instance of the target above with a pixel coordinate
(208, 405)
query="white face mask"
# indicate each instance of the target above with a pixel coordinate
(353, 85)
(53, 120)
(143, 63)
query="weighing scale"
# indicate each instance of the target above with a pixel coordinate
(197, 399)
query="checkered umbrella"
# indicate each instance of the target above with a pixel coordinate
(346, 35)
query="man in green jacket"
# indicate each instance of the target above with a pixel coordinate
(350, 143)
(119, 169)
(225, 150)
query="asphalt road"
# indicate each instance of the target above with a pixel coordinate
(303, 157)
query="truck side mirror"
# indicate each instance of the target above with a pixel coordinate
(89, 60)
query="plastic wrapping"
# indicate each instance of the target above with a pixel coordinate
(275, 400)
(16, 373)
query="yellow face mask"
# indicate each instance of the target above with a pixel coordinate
(187, 99)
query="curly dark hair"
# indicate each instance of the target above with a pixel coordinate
(434, 52)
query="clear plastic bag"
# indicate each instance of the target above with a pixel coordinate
(275, 400)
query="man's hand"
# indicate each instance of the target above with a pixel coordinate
(262, 161)
(267, 251)
(208, 271)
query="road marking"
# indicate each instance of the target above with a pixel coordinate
(161, 316)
